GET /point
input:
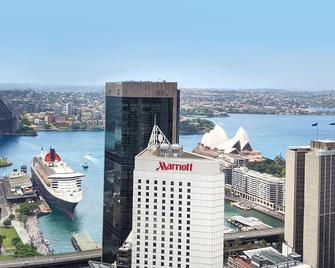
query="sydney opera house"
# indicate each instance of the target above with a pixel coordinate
(216, 142)
(232, 152)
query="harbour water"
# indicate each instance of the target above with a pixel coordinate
(270, 134)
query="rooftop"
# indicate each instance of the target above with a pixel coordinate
(19, 179)
(263, 176)
(85, 242)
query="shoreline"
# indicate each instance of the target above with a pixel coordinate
(259, 208)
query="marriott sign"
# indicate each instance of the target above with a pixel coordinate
(174, 166)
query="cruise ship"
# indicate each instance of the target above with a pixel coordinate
(57, 182)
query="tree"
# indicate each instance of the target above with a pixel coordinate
(7, 223)
(16, 241)
(27, 208)
(237, 243)
(2, 237)
(25, 251)
(11, 217)
(22, 218)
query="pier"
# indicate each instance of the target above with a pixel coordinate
(248, 223)
(83, 242)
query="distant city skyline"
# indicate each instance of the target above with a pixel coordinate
(221, 44)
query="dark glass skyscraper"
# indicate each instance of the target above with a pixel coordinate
(131, 109)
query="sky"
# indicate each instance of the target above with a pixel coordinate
(287, 44)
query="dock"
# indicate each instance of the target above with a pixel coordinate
(43, 206)
(248, 223)
(83, 242)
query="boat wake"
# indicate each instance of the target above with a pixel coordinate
(89, 157)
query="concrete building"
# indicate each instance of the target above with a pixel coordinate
(318, 210)
(178, 209)
(131, 110)
(261, 188)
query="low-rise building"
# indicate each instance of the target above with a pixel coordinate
(17, 187)
(266, 257)
(257, 187)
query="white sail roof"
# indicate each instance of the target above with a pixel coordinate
(215, 137)
(230, 146)
(243, 137)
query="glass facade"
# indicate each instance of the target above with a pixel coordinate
(129, 121)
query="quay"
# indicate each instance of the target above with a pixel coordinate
(83, 242)
(248, 223)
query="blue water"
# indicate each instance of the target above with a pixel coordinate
(72, 147)
(271, 134)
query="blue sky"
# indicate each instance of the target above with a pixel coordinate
(217, 44)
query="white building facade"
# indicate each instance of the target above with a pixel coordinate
(261, 188)
(178, 210)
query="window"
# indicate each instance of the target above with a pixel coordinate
(180, 183)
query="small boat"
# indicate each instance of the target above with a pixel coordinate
(85, 165)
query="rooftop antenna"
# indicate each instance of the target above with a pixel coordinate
(157, 137)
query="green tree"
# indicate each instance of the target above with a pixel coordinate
(7, 223)
(25, 251)
(11, 217)
(237, 243)
(27, 208)
(2, 237)
(16, 241)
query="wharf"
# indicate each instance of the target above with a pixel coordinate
(249, 223)
(43, 206)
(83, 242)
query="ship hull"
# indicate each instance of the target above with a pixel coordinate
(66, 207)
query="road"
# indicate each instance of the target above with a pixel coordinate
(53, 260)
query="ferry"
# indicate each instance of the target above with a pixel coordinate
(57, 182)
(85, 165)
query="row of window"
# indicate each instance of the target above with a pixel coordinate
(164, 182)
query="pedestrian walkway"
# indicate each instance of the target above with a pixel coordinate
(36, 235)
(23, 234)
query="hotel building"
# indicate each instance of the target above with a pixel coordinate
(178, 209)
(131, 110)
(261, 188)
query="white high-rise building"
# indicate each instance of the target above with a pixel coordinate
(69, 109)
(178, 208)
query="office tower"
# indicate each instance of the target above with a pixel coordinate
(318, 209)
(178, 209)
(294, 197)
(131, 110)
